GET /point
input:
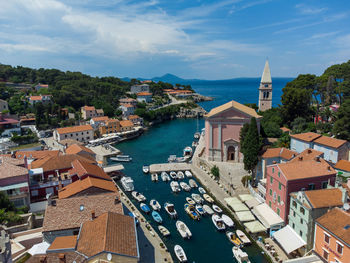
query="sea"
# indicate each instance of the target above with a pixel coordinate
(171, 137)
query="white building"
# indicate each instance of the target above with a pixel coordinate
(139, 88)
(83, 133)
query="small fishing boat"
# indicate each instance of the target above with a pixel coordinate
(127, 183)
(200, 210)
(156, 216)
(175, 186)
(208, 209)
(145, 169)
(208, 198)
(201, 190)
(234, 239)
(197, 198)
(188, 152)
(191, 211)
(245, 240)
(170, 209)
(165, 177)
(218, 222)
(188, 174)
(185, 186)
(138, 196)
(240, 255)
(180, 175)
(165, 232)
(154, 177)
(145, 208)
(227, 220)
(173, 175)
(197, 135)
(216, 209)
(190, 201)
(183, 229)
(155, 205)
(193, 183)
(180, 253)
(121, 158)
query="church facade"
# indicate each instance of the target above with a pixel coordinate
(265, 89)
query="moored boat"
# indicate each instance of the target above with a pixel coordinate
(183, 229)
(208, 198)
(201, 190)
(155, 205)
(245, 240)
(180, 175)
(154, 177)
(200, 210)
(197, 135)
(185, 186)
(138, 196)
(208, 209)
(191, 211)
(173, 175)
(170, 209)
(145, 208)
(165, 177)
(193, 183)
(121, 158)
(190, 201)
(234, 239)
(127, 183)
(216, 209)
(188, 174)
(165, 232)
(197, 198)
(156, 216)
(145, 169)
(188, 152)
(218, 222)
(240, 255)
(180, 253)
(175, 186)
(227, 220)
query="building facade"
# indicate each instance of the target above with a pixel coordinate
(127, 110)
(88, 112)
(3, 105)
(126, 125)
(139, 88)
(83, 133)
(265, 89)
(111, 126)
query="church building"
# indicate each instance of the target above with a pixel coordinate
(222, 129)
(265, 89)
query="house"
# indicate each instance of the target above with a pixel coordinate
(82, 133)
(88, 112)
(332, 236)
(111, 126)
(3, 105)
(302, 141)
(82, 169)
(41, 86)
(139, 88)
(81, 150)
(44, 99)
(136, 120)
(276, 155)
(127, 109)
(285, 130)
(307, 206)
(343, 168)
(128, 101)
(9, 126)
(126, 125)
(296, 175)
(35, 155)
(222, 129)
(144, 97)
(98, 121)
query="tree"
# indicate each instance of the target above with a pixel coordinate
(39, 114)
(284, 141)
(299, 125)
(215, 171)
(243, 133)
(341, 127)
(5, 203)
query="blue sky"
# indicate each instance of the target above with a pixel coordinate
(188, 38)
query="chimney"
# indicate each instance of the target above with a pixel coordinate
(93, 215)
(274, 162)
(116, 200)
(317, 159)
(329, 167)
(309, 151)
(62, 257)
(300, 158)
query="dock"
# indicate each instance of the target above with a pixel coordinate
(167, 167)
(104, 151)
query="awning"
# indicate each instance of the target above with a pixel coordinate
(13, 186)
(255, 227)
(39, 249)
(246, 197)
(239, 207)
(113, 168)
(267, 216)
(232, 200)
(307, 259)
(288, 239)
(245, 216)
(252, 203)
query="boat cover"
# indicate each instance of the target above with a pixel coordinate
(245, 197)
(288, 239)
(239, 207)
(245, 216)
(232, 200)
(267, 216)
(255, 227)
(252, 202)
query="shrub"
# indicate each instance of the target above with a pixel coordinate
(215, 171)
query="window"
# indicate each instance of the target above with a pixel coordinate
(311, 186)
(270, 192)
(294, 213)
(269, 203)
(65, 136)
(294, 204)
(339, 248)
(324, 185)
(301, 221)
(266, 85)
(271, 180)
(71, 135)
(326, 238)
(301, 233)
(325, 254)
(273, 170)
(278, 211)
(302, 210)
(279, 174)
(293, 225)
(279, 185)
(279, 199)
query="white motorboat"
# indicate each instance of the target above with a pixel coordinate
(200, 210)
(208, 209)
(154, 177)
(234, 239)
(170, 209)
(165, 232)
(227, 220)
(240, 255)
(245, 240)
(188, 152)
(183, 229)
(180, 253)
(155, 205)
(190, 201)
(216, 209)
(145, 169)
(201, 190)
(165, 177)
(121, 158)
(208, 198)
(197, 198)
(218, 222)
(138, 196)
(185, 186)
(188, 174)
(127, 183)
(175, 186)
(173, 175)
(193, 183)
(180, 175)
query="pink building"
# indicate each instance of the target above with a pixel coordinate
(296, 175)
(222, 128)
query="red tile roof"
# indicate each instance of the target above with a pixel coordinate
(308, 154)
(307, 136)
(102, 118)
(75, 149)
(9, 167)
(89, 108)
(126, 123)
(36, 154)
(284, 129)
(64, 242)
(34, 98)
(330, 142)
(325, 197)
(71, 256)
(133, 117)
(128, 105)
(74, 129)
(343, 165)
(279, 152)
(144, 94)
(82, 168)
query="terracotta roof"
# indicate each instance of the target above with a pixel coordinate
(75, 149)
(110, 232)
(325, 197)
(308, 154)
(288, 154)
(9, 168)
(279, 152)
(82, 185)
(82, 168)
(126, 123)
(343, 165)
(112, 120)
(132, 117)
(36, 154)
(330, 142)
(307, 136)
(71, 256)
(72, 212)
(285, 129)
(65, 242)
(234, 105)
(74, 129)
(42, 85)
(144, 94)
(10, 160)
(35, 98)
(128, 105)
(127, 100)
(99, 110)
(337, 222)
(102, 118)
(90, 108)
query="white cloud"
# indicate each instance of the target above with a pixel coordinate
(308, 10)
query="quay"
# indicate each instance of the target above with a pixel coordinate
(104, 151)
(167, 167)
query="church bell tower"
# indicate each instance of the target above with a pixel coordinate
(265, 89)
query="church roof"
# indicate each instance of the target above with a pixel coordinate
(266, 76)
(234, 105)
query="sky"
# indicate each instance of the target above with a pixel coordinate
(189, 38)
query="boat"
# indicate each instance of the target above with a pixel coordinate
(240, 255)
(185, 186)
(208, 198)
(227, 220)
(192, 183)
(138, 196)
(187, 152)
(245, 240)
(197, 135)
(191, 211)
(208, 209)
(216, 209)
(180, 175)
(234, 239)
(218, 222)
(180, 253)
(197, 198)
(156, 216)
(155, 205)
(188, 174)
(173, 175)
(145, 208)
(154, 177)
(134, 216)
(165, 232)
(183, 229)
(201, 190)
(170, 209)
(165, 177)
(200, 210)
(121, 158)
(190, 201)
(127, 183)
(145, 169)
(175, 186)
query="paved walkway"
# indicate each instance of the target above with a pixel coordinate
(166, 167)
